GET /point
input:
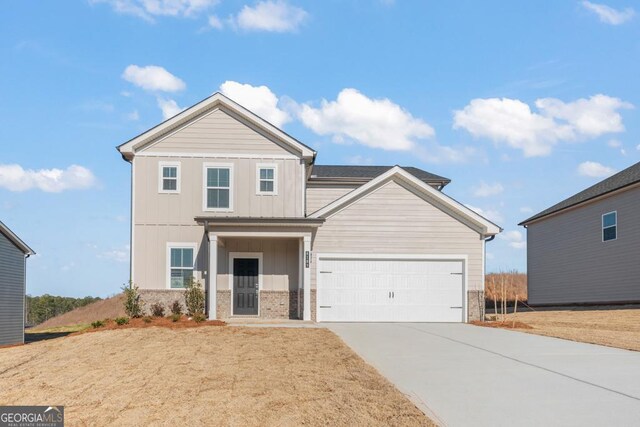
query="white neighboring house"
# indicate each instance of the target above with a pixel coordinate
(222, 195)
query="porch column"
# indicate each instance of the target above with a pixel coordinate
(306, 278)
(212, 274)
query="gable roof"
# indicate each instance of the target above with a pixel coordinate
(396, 172)
(129, 148)
(625, 178)
(15, 240)
(370, 172)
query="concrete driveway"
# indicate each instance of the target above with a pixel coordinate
(463, 375)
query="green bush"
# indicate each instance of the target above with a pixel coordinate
(194, 297)
(157, 310)
(97, 324)
(147, 319)
(199, 317)
(176, 307)
(132, 304)
(175, 317)
(122, 320)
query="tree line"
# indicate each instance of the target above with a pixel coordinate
(44, 307)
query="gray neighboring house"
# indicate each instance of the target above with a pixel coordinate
(585, 249)
(13, 262)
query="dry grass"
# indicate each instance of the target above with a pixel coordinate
(108, 308)
(203, 376)
(612, 327)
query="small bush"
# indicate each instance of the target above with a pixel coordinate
(176, 307)
(147, 319)
(122, 320)
(175, 317)
(97, 324)
(157, 310)
(132, 304)
(194, 297)
(199, 317)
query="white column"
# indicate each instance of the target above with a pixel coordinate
(300, 274)
(212, 275)
(307, 278)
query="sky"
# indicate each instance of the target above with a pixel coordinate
(521, 104)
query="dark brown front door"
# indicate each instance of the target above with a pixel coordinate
(245, 286)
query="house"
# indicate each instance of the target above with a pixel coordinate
(13, 262)
(584, 249)
(220, 194)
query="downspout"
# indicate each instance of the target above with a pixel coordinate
(208, 280)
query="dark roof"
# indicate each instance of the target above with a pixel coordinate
(15, 239)
(370, 172)
(629, 176)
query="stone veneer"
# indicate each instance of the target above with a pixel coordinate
(272, 305)
(475, 305)
(313, 303)
(166, 297)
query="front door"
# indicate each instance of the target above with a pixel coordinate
(245, 286)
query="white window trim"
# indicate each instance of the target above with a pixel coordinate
(206, 166)
(273, 166)
(161, 166)
(602, 227)
(252, 255)
(179, 245)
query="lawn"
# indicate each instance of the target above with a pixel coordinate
(209, 375)
(614, 327)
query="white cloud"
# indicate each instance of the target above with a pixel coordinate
(359, 160)
(215, 22)
(148, 9)
(153, 78)
(526, 209)
(258, 99)
(512, 121)
(491, 214)
(14, 177)
(169, 108)
(133, 116)
(270, 15)
(614, 143)
(377, 123)
(594, 170)
(609, 15)
(487, 190)
(117, 255)
(514, 238)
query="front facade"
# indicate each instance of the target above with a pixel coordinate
(584, 249)
(222, 195)
(13, 255)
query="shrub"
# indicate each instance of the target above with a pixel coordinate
(175, 317)
(122, 320)
(147, 319)
(176, 307)
(97, 324)
(157, 310)
(132, 304)
(194, 297)
(199, 317)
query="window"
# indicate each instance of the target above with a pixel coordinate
(181, 263)
(609, 226)
(217, 183)
(267, 179)
(169, 177)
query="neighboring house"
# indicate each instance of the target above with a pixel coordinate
(13, 261)
(220, 194)
(585, 248)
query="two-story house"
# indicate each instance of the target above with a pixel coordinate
(220, 194)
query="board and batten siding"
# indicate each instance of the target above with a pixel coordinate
(394, 220)
(12, 292)
(319, 197)
(567, 261)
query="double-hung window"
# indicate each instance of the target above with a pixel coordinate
(169, 181)
(181, 264)
(218, 190)
(610, 226)
(267, 179)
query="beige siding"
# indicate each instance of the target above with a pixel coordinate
(569, 263)
(220, 132)
(319, 197)
(393, 220)
(153, 207)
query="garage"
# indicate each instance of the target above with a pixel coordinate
(390, 288)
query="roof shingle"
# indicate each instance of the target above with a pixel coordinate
(370, 172)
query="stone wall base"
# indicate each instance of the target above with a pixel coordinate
(166, 297)
(313, 303)
(272, 304)
(475, 304)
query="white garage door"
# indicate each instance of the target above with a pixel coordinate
(390, 290)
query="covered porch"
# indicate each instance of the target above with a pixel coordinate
(259, 267)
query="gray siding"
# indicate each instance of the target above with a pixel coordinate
(569, 263)
(12, 290)
(319, 197)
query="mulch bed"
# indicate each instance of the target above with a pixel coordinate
(508, 324)
(149, 322)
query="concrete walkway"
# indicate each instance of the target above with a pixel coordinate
(463, 375)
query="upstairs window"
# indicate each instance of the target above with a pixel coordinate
(181, 266)
(609, 226)
(218, 190)
(169, 178)
(267, 179)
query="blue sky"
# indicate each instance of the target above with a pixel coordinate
(520, 103)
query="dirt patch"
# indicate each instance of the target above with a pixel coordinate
(149, 322)
(204, 376)
(613, 327)
(108, 308)
(505, 325)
